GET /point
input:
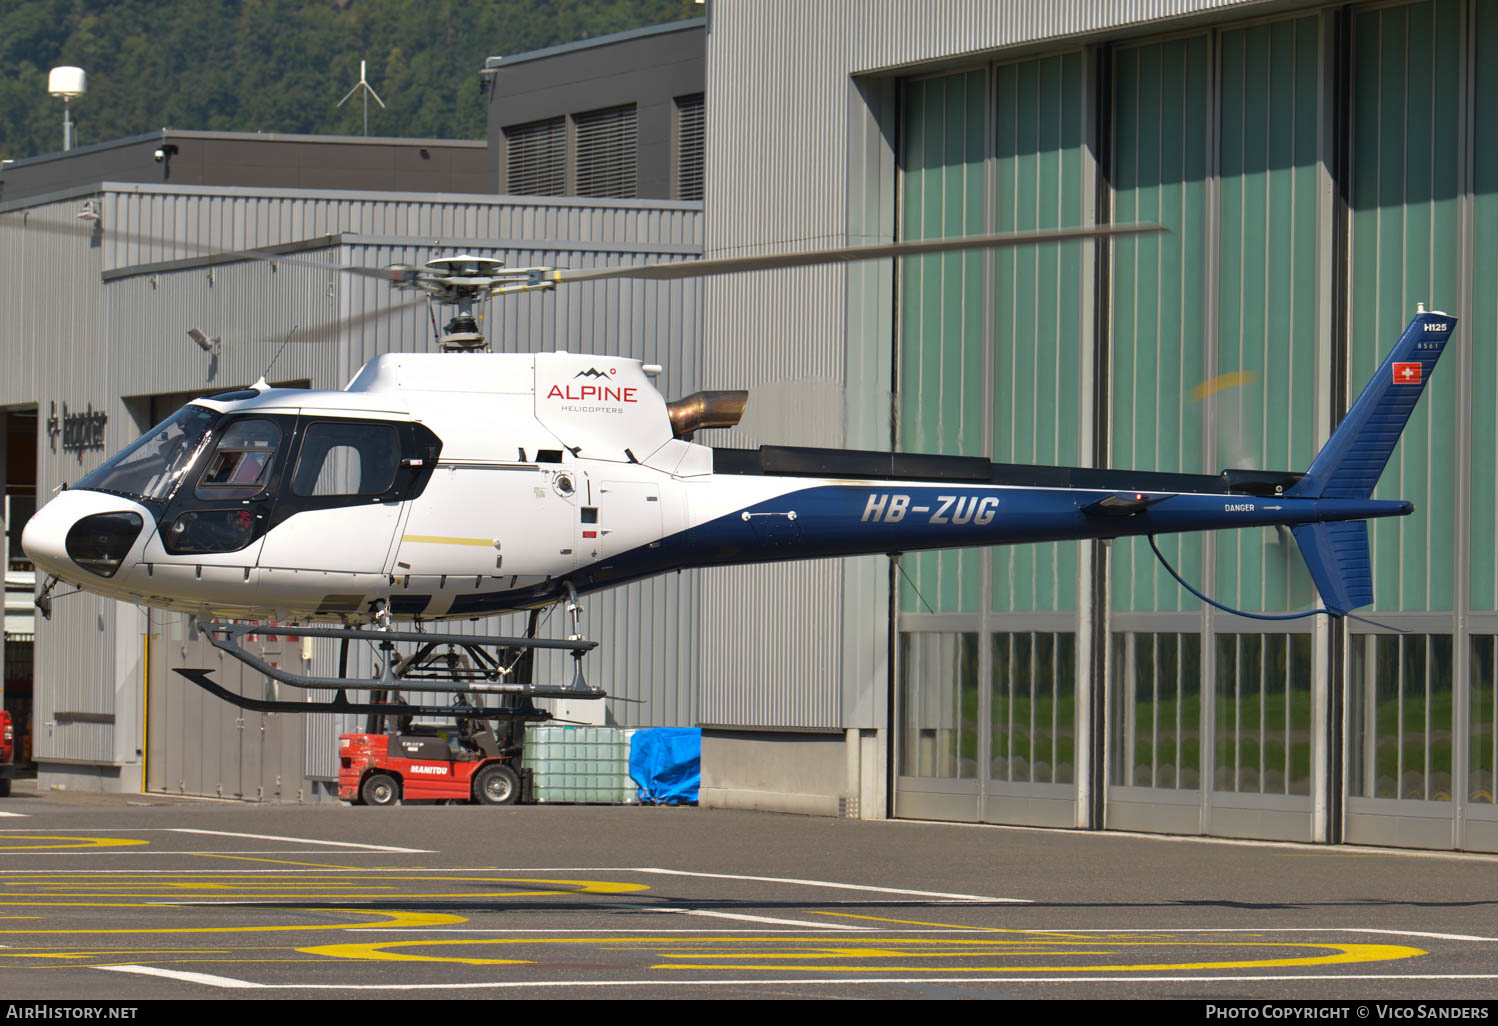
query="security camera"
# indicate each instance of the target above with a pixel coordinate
(160, 156)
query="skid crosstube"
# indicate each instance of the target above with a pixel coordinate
(482, 679)
(341, 704)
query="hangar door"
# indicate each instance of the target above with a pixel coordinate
(1035, 664)
(197, 744)
(993, 350)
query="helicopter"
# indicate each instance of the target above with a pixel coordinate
(464, 483)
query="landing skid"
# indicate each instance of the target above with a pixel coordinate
(452, 664)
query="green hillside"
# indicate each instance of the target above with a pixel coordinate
(277, 65)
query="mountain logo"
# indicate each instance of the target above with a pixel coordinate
(591, 372)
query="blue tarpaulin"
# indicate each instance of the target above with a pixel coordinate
(666, 763)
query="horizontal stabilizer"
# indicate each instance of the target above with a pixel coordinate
(1337, 556)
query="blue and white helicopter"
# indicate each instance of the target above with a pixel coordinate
(440, 486)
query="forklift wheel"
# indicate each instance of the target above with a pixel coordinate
(380, 789)
(496, 785)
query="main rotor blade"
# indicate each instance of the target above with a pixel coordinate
(659, 272)
(329, 331)
(278, 253)
(848, 254)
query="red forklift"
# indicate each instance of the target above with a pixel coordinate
(467, 764)
(474, 758)
(7, 753)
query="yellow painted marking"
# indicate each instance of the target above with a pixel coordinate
(160, 900)
(1342, 954)
(377, 952)
(13, 891)
(279, 862)
(64, 842)
(875, 953)
(439, 539)
(818, 951)
(1222, 381)
(957, 926)
(393, 920)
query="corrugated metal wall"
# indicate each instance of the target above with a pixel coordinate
(85, 708)
(105, 315)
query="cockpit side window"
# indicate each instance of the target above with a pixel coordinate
(346, 458)
(241, 464)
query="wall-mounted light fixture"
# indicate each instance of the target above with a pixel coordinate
(202, 341)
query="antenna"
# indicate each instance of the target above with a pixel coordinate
(368, 92)
(273, 359)
(68, 83)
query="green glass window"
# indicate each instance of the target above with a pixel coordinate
(1034, 707)
(1400, 702)
(1156, 710)
(939, 704)
(1263, 731)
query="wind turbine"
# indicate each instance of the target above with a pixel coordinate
(368, 92)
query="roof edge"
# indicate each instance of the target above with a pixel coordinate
(275, 137)
(492, 64)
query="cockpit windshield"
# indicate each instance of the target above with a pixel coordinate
(152, 468)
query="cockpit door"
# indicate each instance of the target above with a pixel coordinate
(219, 513)
(339, 507)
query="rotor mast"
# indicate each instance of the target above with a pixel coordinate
(461, 281)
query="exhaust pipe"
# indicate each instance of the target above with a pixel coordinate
(706, 410)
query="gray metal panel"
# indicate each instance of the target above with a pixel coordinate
(264, 161)
(249, 306)
(917, 32)
(50, 303)
(149, 224)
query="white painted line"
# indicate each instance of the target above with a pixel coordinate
(1264, 929)
(176, 974)
(305, 840)
(17, 815)
(750, 919)
(853, 979)
(1298, 847)
(832, 885)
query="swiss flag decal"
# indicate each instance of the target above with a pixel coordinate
(1407, 373)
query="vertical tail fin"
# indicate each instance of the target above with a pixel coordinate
(1353, 459)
